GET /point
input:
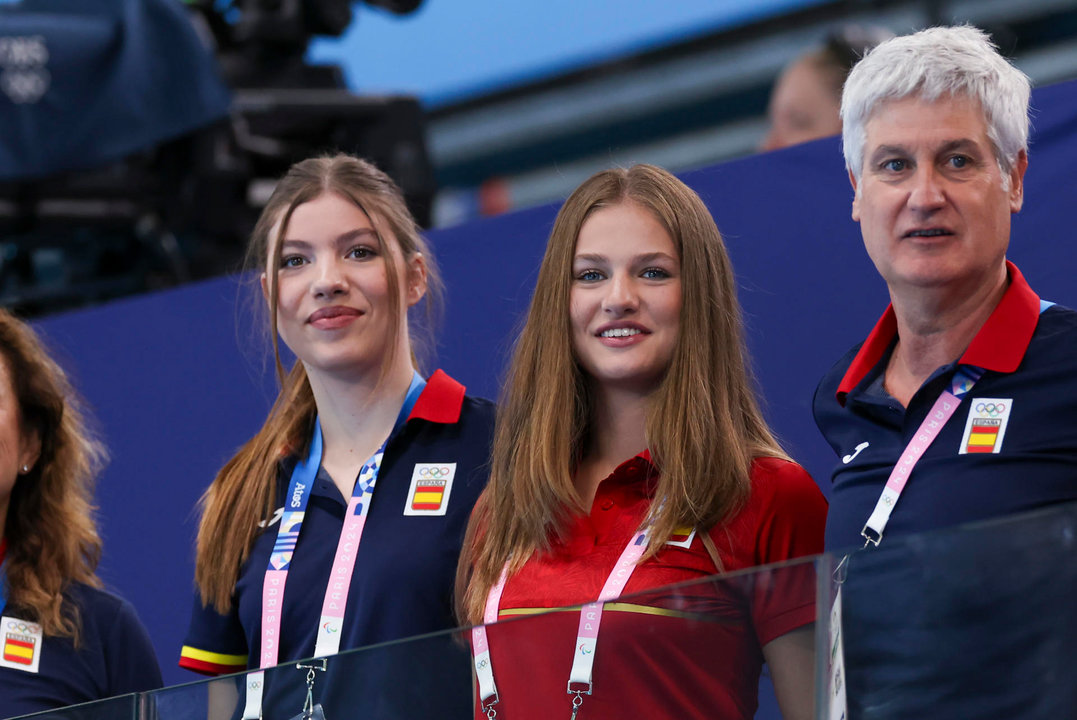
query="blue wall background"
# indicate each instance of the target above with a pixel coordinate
(178, 382)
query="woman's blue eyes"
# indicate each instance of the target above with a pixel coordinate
(359, 252)
(648, 274)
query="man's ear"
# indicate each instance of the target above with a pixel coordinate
(1017, 182)
(416, 278)
(856, 196)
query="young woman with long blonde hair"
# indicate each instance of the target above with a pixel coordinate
(630, 453)
(359, 449)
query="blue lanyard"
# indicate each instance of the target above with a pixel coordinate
(3, 586)
(305, 472)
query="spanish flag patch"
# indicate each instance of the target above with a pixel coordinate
(21, 644)
(431, 485)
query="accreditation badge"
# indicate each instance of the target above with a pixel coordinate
(986, 425)
(21, 644)
(431, 485)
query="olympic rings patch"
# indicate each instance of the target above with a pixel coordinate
(22, 627)
(434, 472)
(991, 409)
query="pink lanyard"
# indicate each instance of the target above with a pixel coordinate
(336, 594)
(331, 622)
(941, 412)
(583, 657)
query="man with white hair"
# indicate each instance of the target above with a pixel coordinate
(961, 404)
(966, 389)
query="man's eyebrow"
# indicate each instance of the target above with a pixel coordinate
(959, 144)
(886, 150)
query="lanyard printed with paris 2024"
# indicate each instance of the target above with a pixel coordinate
(583, 653)
(331, 621)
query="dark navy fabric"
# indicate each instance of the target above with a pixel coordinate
(974, 622)
(405, 568)
(934, 623)
(1037, 465)
(90, 81)
(114, 657)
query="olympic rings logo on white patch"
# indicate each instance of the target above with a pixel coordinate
(435, 472)
(17, 626)
(991, 409)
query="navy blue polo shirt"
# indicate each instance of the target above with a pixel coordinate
(114, 657)
(1030, 360)
(921, 638)
(406, 563)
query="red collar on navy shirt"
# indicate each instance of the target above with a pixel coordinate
(999, 345)
(440, 401)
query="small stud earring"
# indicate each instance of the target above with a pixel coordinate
(25, 469)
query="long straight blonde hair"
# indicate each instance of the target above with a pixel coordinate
(245, 490)
(704, 426)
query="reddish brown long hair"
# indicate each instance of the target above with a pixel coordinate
(704, 425)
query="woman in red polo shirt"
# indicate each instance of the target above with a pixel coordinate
(629, 454)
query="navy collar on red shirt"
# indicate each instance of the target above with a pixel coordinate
(999, 345)
(440, 401)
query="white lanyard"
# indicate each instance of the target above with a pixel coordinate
(291, 523)
(583, 657)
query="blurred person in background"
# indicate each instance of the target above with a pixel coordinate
(806, 99)
(63, 640)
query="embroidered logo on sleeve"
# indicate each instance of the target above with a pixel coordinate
(986, 425)
(682, 537)
(22, 644)
(431, 485)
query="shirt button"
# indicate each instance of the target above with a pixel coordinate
(606, 504)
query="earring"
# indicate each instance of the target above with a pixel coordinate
(25, 469)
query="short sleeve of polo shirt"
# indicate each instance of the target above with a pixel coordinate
(788, 516)
(215, 643)
(114, 656)
(131, 662)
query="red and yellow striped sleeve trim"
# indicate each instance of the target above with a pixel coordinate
(211, 663)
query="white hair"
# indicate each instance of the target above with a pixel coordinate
(940, 61)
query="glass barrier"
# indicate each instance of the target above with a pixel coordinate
(121, 707)
(700, 637)
(973, 622)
